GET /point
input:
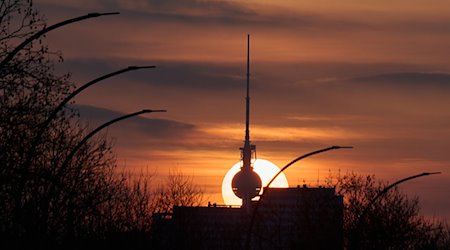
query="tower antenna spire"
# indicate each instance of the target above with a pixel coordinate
(247, 99)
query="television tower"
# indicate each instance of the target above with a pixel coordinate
(246, 183)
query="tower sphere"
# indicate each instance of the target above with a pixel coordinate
(246, 183)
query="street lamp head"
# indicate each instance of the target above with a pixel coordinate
(430, 173)
(153, 110)
(140, 67)
(96, 14)
(339, 147)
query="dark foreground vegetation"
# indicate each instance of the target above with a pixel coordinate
(48, 202)
(393, 222)
(45, 200)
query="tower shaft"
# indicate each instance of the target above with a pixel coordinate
(246, 183)
(248, 149)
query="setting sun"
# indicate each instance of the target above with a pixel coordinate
(264, 168)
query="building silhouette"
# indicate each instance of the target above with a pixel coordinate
(287, 218)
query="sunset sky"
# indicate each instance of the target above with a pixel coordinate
(370, 74)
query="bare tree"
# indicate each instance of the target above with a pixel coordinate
(393, 222)
(178, 190)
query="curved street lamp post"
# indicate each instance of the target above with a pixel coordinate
(93, 132)
(76, 148)
(56, 180)
(355, 243)
(45, 30)
(255, 210)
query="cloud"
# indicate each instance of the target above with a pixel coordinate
(212, 31)
(281, 15)
(411, 79)
(200, 76)
(168, 10)
(214, 12)
(192, 7)
(169, 74)
(139, 125)
(287, 134)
